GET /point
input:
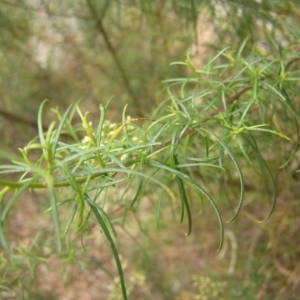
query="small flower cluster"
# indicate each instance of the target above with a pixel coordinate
(208, 289)
(110, 132)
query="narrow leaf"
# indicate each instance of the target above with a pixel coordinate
(184, 200)
(194, 185)
(241, 201)
(111, 244)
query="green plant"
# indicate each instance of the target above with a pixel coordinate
(226, 116)
(224, 133)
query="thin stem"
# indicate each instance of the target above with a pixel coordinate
(291, 62)
(116, 59)
(21, 120)
(215, 112)
(58, 184)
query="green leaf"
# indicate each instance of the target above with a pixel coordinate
(263, 162)
(183, 197)
(95, 210)
(241, 201)
(40, 123)
(56, 221)
(56, 135)
(194, 185)
(140, 187)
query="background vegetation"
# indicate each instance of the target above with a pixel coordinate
(165, 150)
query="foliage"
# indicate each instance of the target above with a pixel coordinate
(231, 119)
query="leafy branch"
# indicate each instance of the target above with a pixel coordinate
(182, 137)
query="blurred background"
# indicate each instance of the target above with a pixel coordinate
(89, 51)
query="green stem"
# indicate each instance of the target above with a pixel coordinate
(58, 184)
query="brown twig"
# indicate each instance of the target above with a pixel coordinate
(21, 120)
(291, 62)
(228, 101)
(115, 57)
(215, 112)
